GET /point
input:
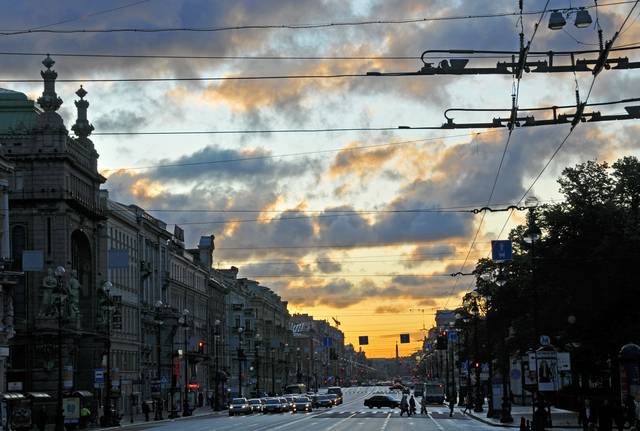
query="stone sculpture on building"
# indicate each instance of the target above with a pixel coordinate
(74, 296)
(49, 284)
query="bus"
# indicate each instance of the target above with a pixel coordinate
(298, 388)
(433, 392)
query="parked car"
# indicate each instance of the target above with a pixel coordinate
(239, 406)
(380, 401)
(256, 405)
(273, 405)
(302, 404)
(323, 401)
(336, 390)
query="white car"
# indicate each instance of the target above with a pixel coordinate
(239, 406)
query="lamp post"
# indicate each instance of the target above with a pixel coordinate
(240, 354)
(286, 364)
(257, 361)
(107, 416)
(159, 323)
(453, 363)
(61, 296)
(478, 398)
(530, 237)
(216, 335)
(273, 371)
(298, 374)
(184, 322)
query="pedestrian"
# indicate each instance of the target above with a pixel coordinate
(404, 405)
(200, 399)
(412, 406)
(467, 403)
(452, 404)
(423, 406)
(605, 417)
(523, 424)
(41, 419)
(583, 414)
(145, 410)
(85, 415)
(630, 408)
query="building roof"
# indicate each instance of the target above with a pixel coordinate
(17, 112)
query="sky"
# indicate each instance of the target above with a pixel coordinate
(321, 218)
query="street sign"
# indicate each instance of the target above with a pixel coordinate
(545, 340)
(404, 338)
(327, 342)
(501, 250)
(98, 375)
(564, 361)
(363, 340)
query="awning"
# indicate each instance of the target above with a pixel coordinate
(12, 396)
(38, 395)
(84, 394)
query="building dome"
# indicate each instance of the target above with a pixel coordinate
(12, 96)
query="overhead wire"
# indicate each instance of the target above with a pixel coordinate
(301, 26)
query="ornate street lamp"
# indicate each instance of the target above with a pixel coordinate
(60, 297)
(184, 322)
(159, 306)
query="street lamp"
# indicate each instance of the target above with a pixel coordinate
(159, 323)
(240, 354)
(257, 362)
(60, 297)
(184, 322)
(531, 236)
(108, 418)
(476, 314)
(298, 374)
(216, 335)
(454, 391)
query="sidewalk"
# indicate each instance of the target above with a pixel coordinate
(559, 418)
(138, 419)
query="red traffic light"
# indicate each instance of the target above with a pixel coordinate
(476, 365)
(200, 344)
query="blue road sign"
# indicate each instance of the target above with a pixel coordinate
(501, 250)
(327, 342)
(404, 338)
(363, 340)
(453, 335)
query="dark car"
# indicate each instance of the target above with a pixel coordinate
(336, 390)
(334, 399)
(303, 404)
(380, 401)
(323, 401)
(273, 405)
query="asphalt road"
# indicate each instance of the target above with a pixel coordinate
(350, 416)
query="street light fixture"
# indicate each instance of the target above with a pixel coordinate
(583, 19)
(556, 20)
(60, 297)
(257, 363)
(108, 418)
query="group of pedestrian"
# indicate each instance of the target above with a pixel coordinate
(408, 406)
(604, 415)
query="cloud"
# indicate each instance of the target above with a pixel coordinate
(326, 265)
(388, 309)
(121, 120)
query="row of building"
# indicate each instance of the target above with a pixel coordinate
(105, 295)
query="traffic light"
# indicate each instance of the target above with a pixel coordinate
(201, 347)
(476, 365)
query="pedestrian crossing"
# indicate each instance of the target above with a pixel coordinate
(384, 413)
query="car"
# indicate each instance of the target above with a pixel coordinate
(273, 405)
(239, 406)
(291, 400)
(303, 404)
(337, 390)
(382, 400)
(334, 399)
(288, 403)
(256, 405)
(323, 401)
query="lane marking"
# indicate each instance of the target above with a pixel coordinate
(440, 427)
(339, 422)
(386, 422)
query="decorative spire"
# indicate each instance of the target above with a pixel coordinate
(82, 128)
(49, 101)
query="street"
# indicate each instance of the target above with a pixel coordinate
(351, 415)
